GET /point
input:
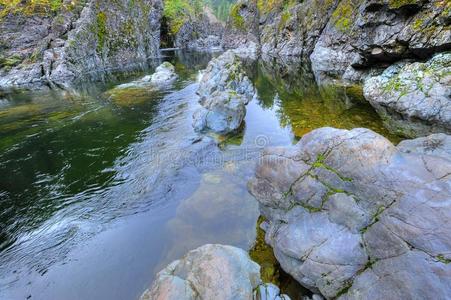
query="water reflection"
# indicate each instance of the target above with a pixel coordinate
(93, 181)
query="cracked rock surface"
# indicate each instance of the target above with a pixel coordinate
(414, 98)
(212, 272)
(224, 91)
(351, 215)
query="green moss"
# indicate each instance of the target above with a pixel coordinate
(236, 18)
(101, 31)
(343, 14)
(284, 19)
(10, 62)
(395, 4)
(263, 254)
(442, 259)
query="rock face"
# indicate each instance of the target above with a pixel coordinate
(351, 215)
(293, 31)
(210, 272)
(224, 91)
(242, 33)
(202, 34)
(363, 34)
(79, 39)
(345, 38)
(414, 98)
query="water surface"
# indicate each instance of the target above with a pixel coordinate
(99, 190)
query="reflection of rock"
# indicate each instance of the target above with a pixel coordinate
(304, 106)
(348, 210)
(224, 91)
(217, 213)
(414, 98)
(212, 271)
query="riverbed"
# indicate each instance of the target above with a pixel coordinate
(100, 190)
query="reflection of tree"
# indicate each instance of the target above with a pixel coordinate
(289, 85)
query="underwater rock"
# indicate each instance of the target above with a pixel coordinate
(208, 272)
(224, 91)
(414, 98)
(352, 215)
(164, 75)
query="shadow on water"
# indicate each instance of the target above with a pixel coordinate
(102, 187)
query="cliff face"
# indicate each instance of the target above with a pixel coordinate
(345, 38)
(55, 46)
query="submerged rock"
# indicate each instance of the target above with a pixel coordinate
(164, 74)
(143, 89)
(414, 98)
(224, 91)
(210, 272)
(352, 215)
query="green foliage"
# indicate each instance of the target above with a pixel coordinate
(101, 31)
(221, 8)
(177, 12)
(236, 18)
(342, 16)
(30, 7)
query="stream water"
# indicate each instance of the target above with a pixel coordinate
(100, 190)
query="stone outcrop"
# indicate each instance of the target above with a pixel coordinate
(350, 215)
(212, 272)
(364, 34)
(345, 38)
(293, 31)
(414, 98)
(202, 33)
(224, 91)
(79, 40)
(242, 32)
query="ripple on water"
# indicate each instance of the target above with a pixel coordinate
(76, 163)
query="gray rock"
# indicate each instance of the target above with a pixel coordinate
(202, 32)
(224, 91)
(365, 34)
(380, 230)
(436, 144)
(242, 32)
(164, 74)
(209, 272)
(414, 98)
(80, 41)
(269, 291)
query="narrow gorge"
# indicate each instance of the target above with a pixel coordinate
(225, 149)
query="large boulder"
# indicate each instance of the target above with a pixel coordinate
(56, 44)
(212, 272)
(224, 91)
(414, 98)
(349, 214)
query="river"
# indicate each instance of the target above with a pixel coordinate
(100, 192)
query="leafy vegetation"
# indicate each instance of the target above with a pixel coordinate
(177, 12)
(30, 6)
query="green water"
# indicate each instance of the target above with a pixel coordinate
(100, 188)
